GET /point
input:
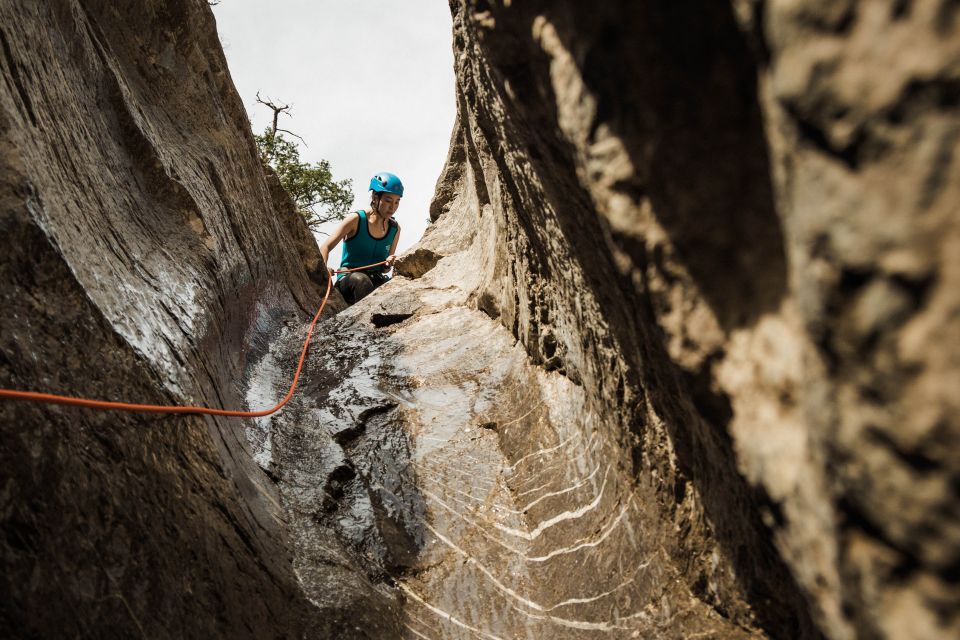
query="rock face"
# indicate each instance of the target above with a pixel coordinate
(142, 261)
(735, 228)
(674, 360)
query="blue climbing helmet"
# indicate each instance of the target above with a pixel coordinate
(385, 182)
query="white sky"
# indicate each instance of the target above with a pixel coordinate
(371, 83)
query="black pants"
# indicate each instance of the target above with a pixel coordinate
(358, 285)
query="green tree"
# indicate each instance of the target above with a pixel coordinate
(318, 197)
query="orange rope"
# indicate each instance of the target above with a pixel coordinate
(51, 398)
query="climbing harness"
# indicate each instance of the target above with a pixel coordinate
(51, 398)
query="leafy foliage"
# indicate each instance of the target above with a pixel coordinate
(318, 197)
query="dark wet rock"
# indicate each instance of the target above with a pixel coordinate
(142, 261)
(343, 458)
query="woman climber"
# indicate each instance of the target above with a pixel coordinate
(368, 237)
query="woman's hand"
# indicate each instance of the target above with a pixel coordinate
(389, 261)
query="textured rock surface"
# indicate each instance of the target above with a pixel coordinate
(676, 359)
(736, 227)
(141, 261)
(861, 103)
(485, 494)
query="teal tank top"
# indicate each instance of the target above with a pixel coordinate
(363, 248)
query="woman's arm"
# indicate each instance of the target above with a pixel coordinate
(393, 249)
(348, 227)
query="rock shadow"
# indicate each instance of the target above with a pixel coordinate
(677, 84)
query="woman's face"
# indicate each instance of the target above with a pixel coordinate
(388, 204)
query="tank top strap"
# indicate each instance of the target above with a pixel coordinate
(362, 223)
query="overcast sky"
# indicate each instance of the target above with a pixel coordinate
(371, 84)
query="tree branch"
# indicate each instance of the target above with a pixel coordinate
(291, 133)
(277, 110)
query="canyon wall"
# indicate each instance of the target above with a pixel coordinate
(736, 227)
(674, 358)
(144, 259)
